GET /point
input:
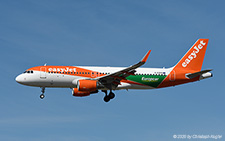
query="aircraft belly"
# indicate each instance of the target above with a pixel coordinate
(55, 80)
(132, 86)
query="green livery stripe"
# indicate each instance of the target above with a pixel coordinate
(149, 80)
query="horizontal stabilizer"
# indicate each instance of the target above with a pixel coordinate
(196, 74)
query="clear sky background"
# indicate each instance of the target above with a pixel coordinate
(109, 33)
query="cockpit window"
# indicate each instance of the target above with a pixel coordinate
(30, 71)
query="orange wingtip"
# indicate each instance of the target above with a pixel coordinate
(146, 57)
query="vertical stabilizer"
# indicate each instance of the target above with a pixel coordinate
(193, 59)
(191, 62)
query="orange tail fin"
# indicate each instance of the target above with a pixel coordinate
(191, 62)
(193, 59)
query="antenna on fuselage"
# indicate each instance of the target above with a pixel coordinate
(45, 64)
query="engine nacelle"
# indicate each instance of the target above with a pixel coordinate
(75, 92)
(78, 93)
(87, 85)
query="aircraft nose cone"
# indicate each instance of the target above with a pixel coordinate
(19, 79)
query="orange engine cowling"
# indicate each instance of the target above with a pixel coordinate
(78, 93)
(87, 85)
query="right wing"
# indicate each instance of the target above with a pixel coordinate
(111, 81)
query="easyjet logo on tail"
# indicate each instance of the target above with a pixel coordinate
(194, 54)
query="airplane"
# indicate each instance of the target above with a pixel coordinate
(87, 80)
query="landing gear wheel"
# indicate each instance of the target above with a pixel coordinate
(111, 95)
(107, 98)
(42, 92)
(42, 96)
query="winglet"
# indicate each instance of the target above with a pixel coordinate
(146, 57)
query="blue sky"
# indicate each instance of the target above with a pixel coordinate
(109, 33)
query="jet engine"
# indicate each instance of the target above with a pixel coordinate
(85, 88)
(78, 93)
(87, 85)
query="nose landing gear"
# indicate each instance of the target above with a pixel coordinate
(108, 97)
(42, 96)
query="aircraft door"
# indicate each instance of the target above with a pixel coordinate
(172, 76)
(43, 73)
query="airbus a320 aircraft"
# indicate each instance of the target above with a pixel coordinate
(84, 80)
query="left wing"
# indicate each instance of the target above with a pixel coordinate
(111, 81)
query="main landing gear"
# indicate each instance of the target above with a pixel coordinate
(42, 93)
(108, 97)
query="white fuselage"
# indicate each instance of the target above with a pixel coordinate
(45, 79)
